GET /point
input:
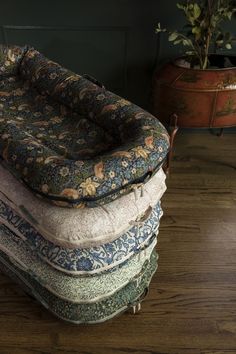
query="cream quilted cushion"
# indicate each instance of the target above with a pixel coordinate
(82, 228)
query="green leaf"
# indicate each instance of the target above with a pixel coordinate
(228, 46)
(196, 11)
(196, 30)
(191, 19)
(173, 36)
(178, 41)
(180, 6)
(158, 29)
(186, 42)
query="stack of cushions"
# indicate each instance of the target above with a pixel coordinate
(81, 182)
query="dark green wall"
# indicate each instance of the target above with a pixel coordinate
(112, 40)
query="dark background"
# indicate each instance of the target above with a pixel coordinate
(112, 40)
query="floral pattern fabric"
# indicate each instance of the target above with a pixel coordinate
(84, 260)
(79, 289)
(95, 312)
(70, 140)
(84, 227)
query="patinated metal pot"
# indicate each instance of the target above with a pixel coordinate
(199, 98)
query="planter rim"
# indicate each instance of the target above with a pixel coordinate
(173, 62)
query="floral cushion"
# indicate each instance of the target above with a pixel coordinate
(83, 261)
(77, 228)
(92, 312)
(69, 139)
(75, 289)
(10, 57)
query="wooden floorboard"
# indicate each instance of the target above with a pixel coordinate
(191, 307)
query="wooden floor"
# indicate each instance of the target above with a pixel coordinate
(191, 307)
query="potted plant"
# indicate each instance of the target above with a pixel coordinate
(200, 87)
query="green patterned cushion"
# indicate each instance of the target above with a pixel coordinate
(94, 312)
(78, 289)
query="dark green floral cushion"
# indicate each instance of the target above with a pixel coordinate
(71, 140)
(10, 58)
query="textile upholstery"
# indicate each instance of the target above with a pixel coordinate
(74, 289)
(70, 140)
(83, 261)
(78, 228)
(94, 312)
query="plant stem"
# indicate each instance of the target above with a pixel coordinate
(206, 52)
(208, 35)
(192, 46)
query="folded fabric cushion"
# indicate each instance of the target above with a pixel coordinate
(10, 58)
(73, 289)
(70, 140)
(81, 228)
(93, 312)
(83, 260)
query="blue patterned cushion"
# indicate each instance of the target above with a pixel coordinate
(70, 140)
(79, 289)
(84, 260)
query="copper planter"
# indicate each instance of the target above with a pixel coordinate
(200, 98)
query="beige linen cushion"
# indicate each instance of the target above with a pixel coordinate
(82, 228)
